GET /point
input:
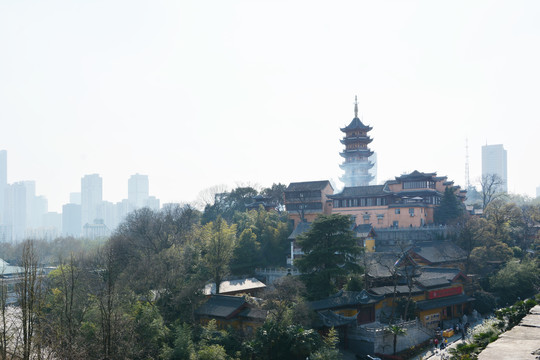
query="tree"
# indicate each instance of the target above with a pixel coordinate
(246, 253)
(285, 301)
(271, 230)
(219, 240)
(450, 208)
(277, 195)
(471, 234)
(516, 280)
(227, 203)
(274, 341)
(490, 187)
(331, 251)
(396, 331)
(66, 308)
(506, 219)
(30, 298)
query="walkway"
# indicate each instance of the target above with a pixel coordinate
(521, 342)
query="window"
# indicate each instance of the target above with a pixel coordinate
(398, 211)
(411, 211)
(395, 224)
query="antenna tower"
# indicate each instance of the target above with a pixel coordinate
(467, 179)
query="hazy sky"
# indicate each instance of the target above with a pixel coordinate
(199, 93)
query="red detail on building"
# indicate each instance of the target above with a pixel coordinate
(433, 294)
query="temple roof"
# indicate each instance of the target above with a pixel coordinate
(439, 252)
(355, 139)
(308, 185)
(400, 289)
(363, 230)
(221, 306)
(231, 286)
(441, 302)
(358, 191)
(344, 299)
(436, 277)
(356, 124)
(301, 228)
(416, 175)
(363, 152)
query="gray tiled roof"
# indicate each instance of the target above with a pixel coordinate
(345, 298)
(380, 264)
(230, 286)
(445, 301)
(254, 314)
(363, 229)
(355, 191)
(221, 306)
(436, 276)
(400, 289)
(308, 185)
(356, 124)
(416, 175)
(301, 228)
(439, 252)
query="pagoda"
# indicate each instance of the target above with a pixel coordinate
(356, 154)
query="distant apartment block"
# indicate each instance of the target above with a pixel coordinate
(91, 197)
(138, 190)
(71, 220)
(3, 182)
(494, 161)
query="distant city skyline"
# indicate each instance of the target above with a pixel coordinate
(197, 98)
(25, 214)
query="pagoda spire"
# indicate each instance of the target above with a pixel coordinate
(355, 106)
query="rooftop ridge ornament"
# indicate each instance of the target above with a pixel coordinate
(355, 106)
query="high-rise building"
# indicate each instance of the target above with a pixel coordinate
(357, 153)
(75, 198)
(71, 220)
(16, 209)
(91, 197)
(153, 203)
(494, 162)
(138, 190)
(538, 192)
(3, 182)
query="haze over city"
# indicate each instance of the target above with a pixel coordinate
(196, 94)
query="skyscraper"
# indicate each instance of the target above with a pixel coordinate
(71, 220)
(494, 162)
(3, 182)
(138, 191)
(91, 197)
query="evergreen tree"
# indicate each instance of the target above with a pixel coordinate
(450, 208)
(331, 250)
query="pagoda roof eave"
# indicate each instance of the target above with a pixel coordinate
(360, 139)
(356, 123)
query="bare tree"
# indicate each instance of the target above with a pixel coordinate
(208, 196)
(491, 185)
(4, 323)
(30, 297)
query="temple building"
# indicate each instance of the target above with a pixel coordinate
(356, 154)
(408, 201)
(306, 200)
